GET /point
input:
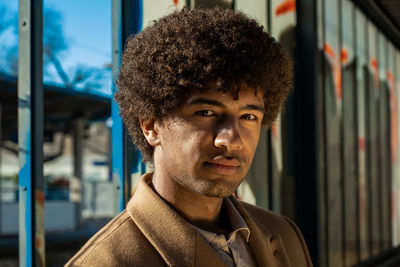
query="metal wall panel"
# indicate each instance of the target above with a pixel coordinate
(384, 143)
(396, 197)
(362, 66)
(155, 9)
(282, 27)
(210, 3)
(333, 126)
(391, 79)
(372, 140)
(349, 134)
(256, 9)
(283, 20)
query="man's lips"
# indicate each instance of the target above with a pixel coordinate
(223, 165)
(220, 160)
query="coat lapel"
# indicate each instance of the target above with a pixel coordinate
(174, 239)
(268, 249)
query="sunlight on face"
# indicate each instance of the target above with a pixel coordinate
(208, 144)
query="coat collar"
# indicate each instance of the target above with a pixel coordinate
(174, 239)
(181, 245)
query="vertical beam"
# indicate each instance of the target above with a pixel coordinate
(306, 98)
(117, 131)
(78, 128)
(126, 20)
(30, 134)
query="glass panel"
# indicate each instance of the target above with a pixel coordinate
(9, 166)
(77, 84)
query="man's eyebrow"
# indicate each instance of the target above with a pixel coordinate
(206, 101)
(211, 102)
(255, 107)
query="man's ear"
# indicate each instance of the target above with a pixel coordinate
(150, 131)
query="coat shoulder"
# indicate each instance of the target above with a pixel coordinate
(283, 227)
(119, 243)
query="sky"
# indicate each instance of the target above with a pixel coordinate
(86, 25)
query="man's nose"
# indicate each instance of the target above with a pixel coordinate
(228, 137)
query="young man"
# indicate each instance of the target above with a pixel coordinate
(194, 90)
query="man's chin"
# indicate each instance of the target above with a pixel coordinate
(215, 190)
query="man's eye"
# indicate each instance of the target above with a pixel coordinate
(249, 117)
(205, 113)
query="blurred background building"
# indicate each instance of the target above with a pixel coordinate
(331, 162)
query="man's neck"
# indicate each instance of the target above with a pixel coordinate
(201, 211)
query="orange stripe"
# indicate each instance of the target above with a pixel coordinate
(175, 2)
(336, 70)
(338, 81)
(329, 51)
(390, 76)
(285, 7)
(344, 56)
(374, 64)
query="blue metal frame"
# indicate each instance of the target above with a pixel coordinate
(126, 19)
(30, 134)
(117, 125)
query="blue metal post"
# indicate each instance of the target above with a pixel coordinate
(30, 134)
(117, 131)
(126, 19)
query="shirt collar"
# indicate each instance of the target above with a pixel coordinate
(236, 220)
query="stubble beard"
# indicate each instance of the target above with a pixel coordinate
(208, 188)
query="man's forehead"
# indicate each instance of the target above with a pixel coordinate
(235, 93)
(245, 99)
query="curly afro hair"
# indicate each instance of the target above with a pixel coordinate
(184, 51)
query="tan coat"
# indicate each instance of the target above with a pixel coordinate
(149, 233)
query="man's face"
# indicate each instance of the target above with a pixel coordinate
(208, 144)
